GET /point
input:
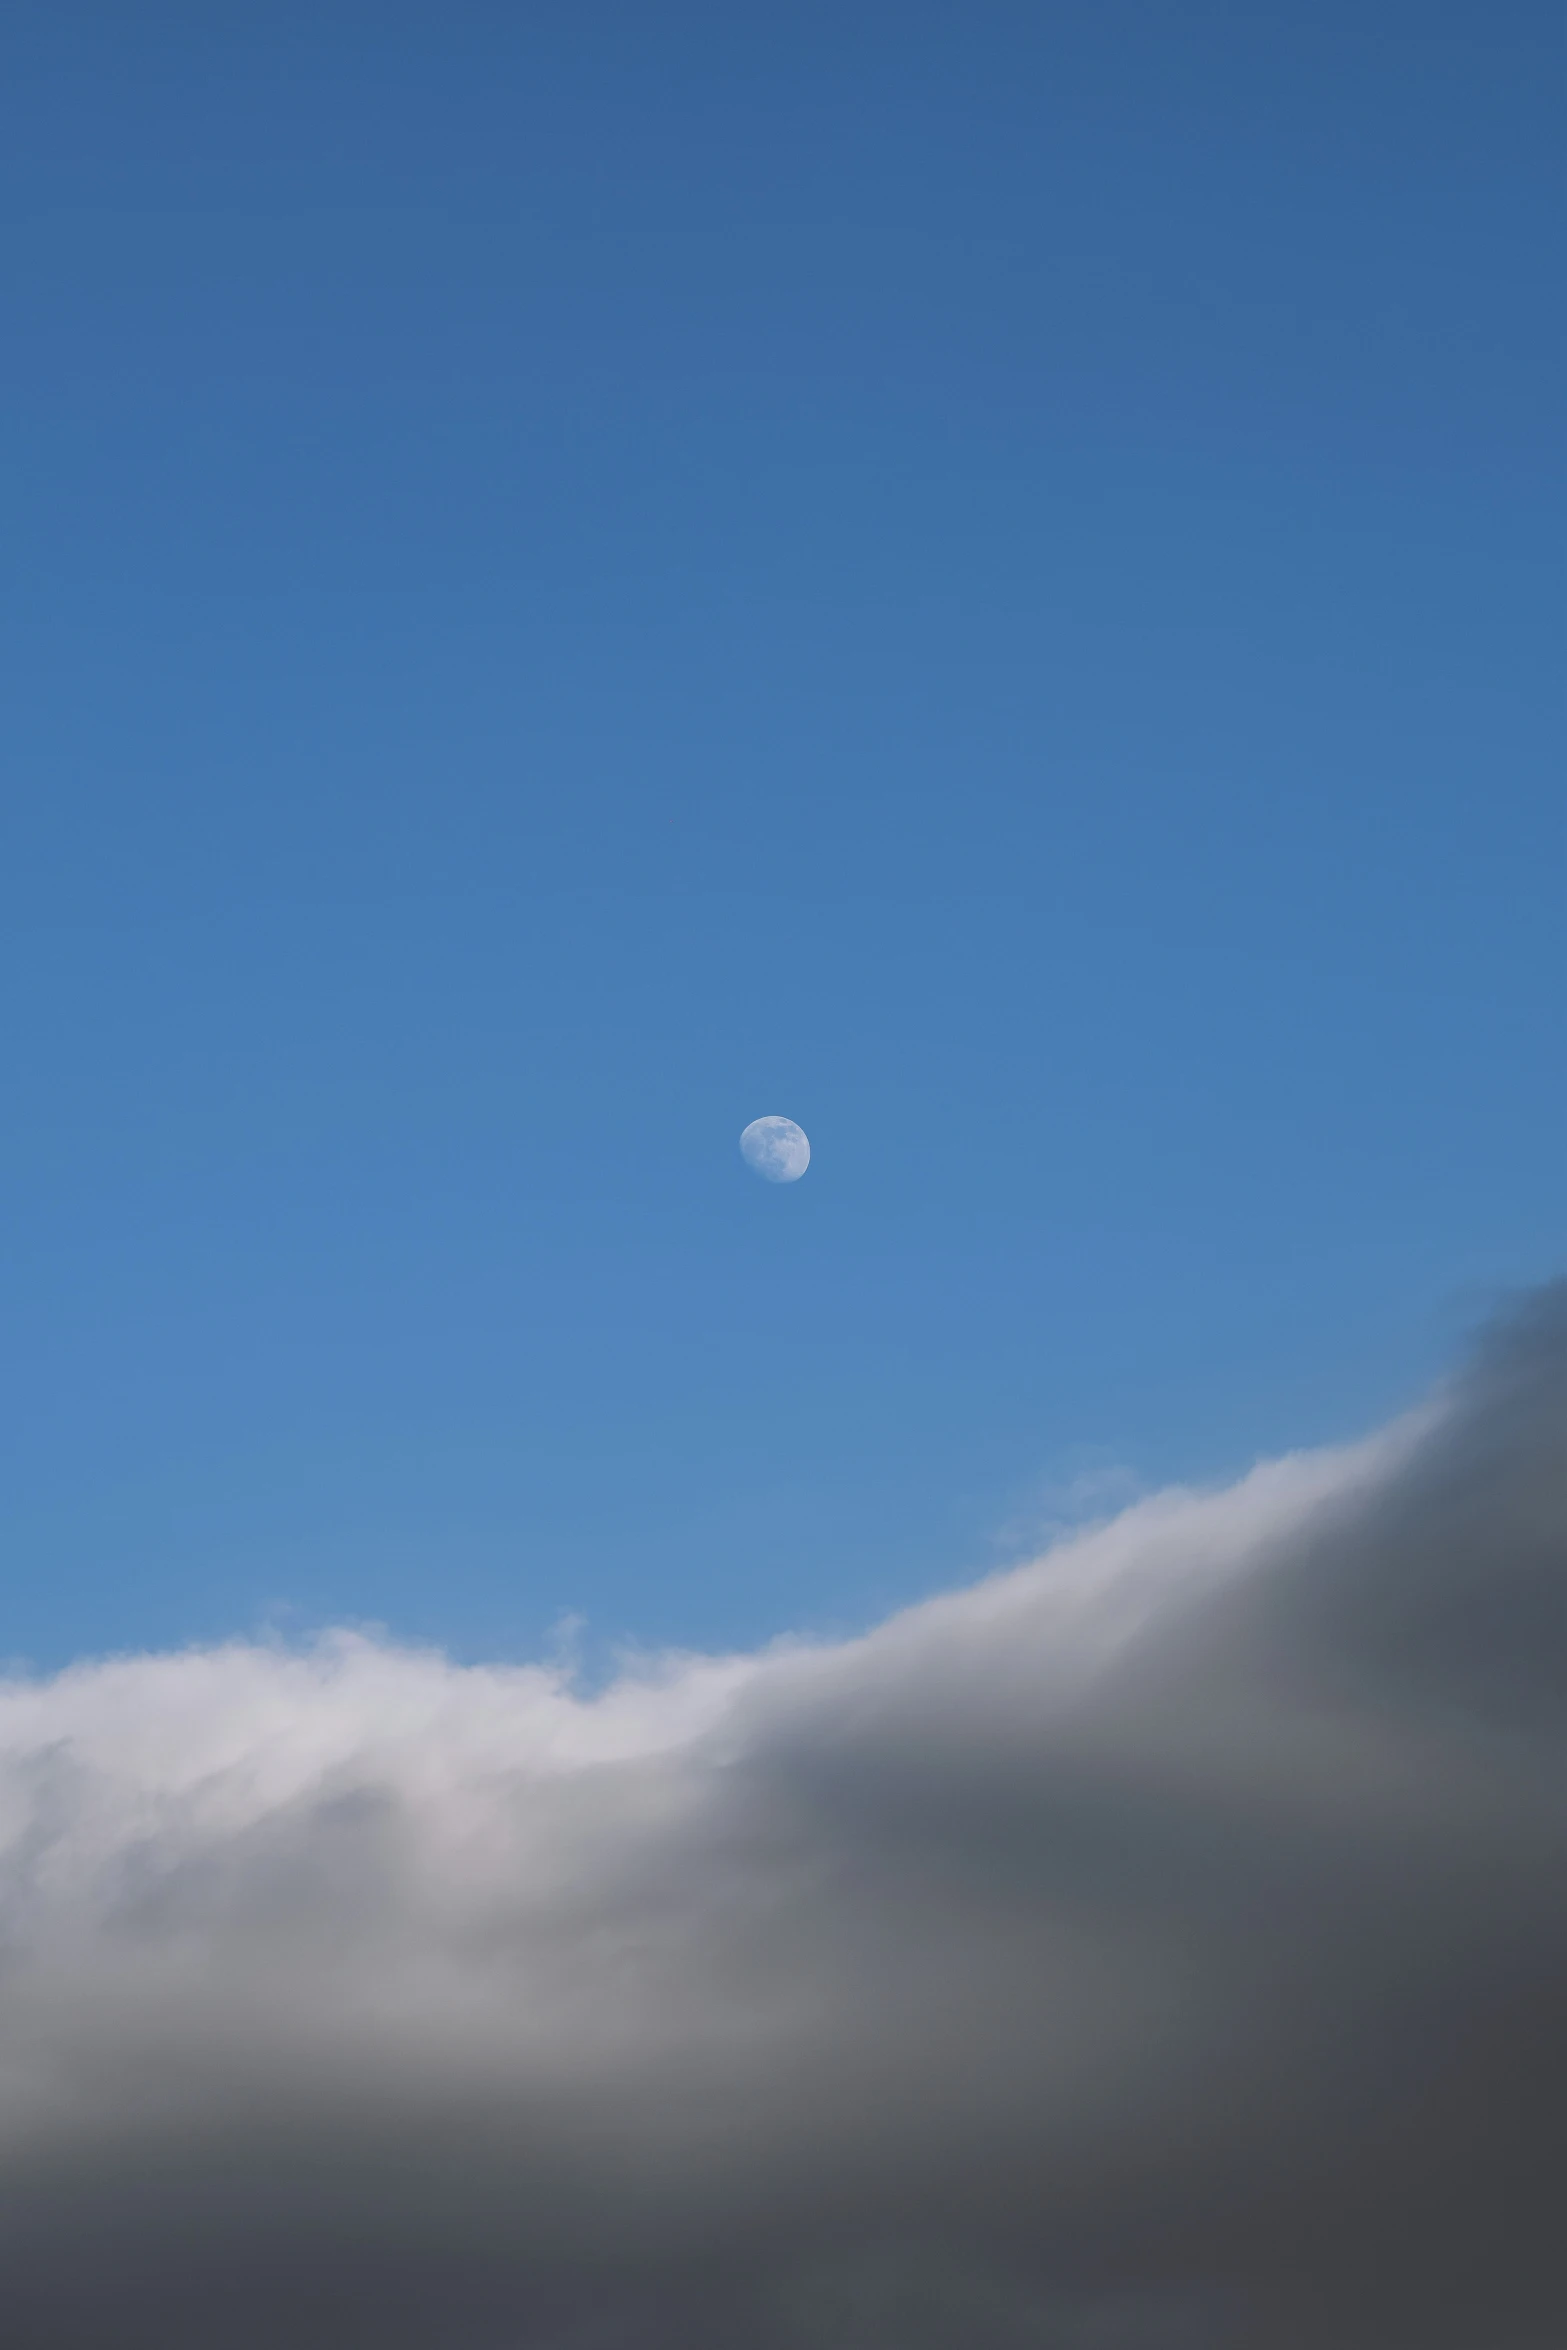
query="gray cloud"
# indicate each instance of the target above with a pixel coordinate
(1161, 1947)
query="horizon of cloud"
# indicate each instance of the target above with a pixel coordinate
(1158, 1946)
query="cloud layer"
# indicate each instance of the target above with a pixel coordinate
(1160, 1947)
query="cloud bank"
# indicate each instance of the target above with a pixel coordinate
(1159, 1947)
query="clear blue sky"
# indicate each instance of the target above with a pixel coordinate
(982, 577)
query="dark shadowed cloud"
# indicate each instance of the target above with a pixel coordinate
(1159, 1947)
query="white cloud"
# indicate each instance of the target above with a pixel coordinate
(1161, 1942)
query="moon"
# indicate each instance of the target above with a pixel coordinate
(776, 1149)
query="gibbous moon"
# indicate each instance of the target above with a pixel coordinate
(776, 1149)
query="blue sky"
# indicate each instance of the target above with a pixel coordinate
(986, 579)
